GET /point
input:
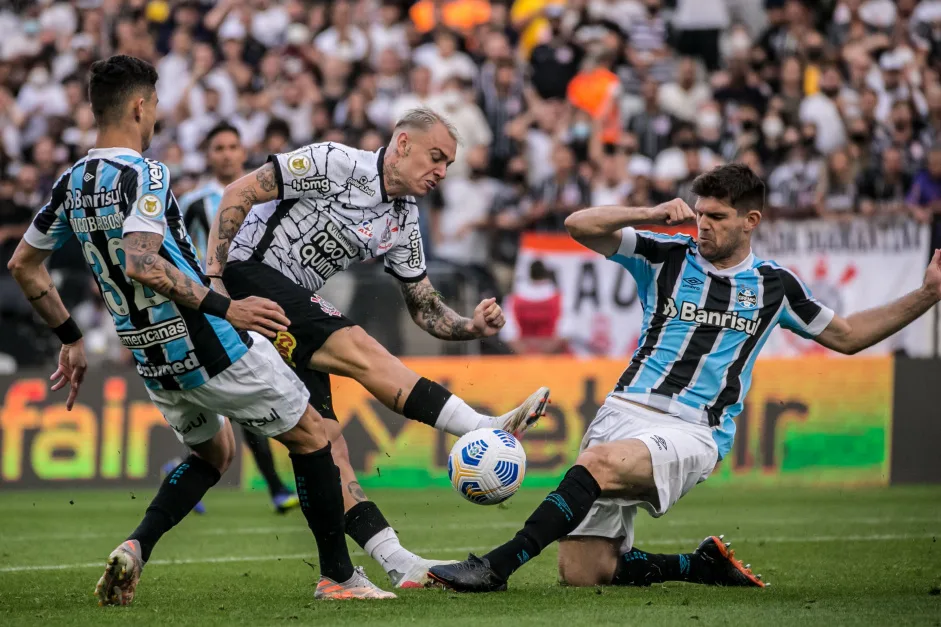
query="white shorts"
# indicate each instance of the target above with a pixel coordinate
(683, 454)
(259, 392)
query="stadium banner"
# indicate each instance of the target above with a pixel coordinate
(849, 266)
(808, 420)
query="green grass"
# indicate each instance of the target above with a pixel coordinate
(834, 557)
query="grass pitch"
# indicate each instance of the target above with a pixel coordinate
(834, 557)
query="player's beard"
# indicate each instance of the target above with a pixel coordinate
(725, 251)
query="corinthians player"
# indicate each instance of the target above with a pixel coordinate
(337, 205)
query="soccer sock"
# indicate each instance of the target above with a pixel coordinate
(321, 497)
(639, 568)
(261, 451)
(369, 528)
(556, 517)
(432, 404)
(179, 493)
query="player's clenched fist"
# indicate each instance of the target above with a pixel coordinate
(674, 212)
(488, 318)
(257, 314)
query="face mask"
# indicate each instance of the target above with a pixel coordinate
(739, 42)
(39, 77)
(830, 92)
(581, 131)
(772, 127)
(749, 125)
(859, 138)
(814, 54)
(709, 120)
(451, 98)
(810, 141)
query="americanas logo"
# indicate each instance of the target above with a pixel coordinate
(286, 343)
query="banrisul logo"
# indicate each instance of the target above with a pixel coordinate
(690, 312)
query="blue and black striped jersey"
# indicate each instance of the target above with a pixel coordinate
(114, 191)
(703, 327)
(199, 210)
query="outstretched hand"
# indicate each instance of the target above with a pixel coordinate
(71, 370)
(932, 281)
(488, 318)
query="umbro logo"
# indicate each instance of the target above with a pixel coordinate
(692, 282)
(88, 177)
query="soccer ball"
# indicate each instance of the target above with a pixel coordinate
(487, 466)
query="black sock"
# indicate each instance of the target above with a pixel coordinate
(363, 521)
(555, 518)
(425, 402)
(639, 568)
(179, 493)
(261, 451)
(321, 497)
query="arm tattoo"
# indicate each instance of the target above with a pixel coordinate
(356, 491)
(230, 218)
(430, 313)
(395, 401)
(46, 291)
(149, 268)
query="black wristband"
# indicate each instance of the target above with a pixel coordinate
(214, 276)
(215, 304)
(68, 332)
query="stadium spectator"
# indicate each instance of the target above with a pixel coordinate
(882, 189)
(560, 194)
(683, 98)
(837, 192)
(924, 199)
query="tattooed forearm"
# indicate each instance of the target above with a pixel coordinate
(356, 491)
(237, 201)
(430, 313)
(146, 266)
(42, 294)
(395, 401)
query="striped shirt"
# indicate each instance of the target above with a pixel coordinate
(703, 327)
(199, 209)
(114, 191)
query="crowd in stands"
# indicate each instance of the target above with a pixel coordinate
(559, 104)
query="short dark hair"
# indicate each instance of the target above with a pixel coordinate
(221, 127)
(114, 80)
(734, 184)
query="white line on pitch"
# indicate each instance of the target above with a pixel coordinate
(297, 556)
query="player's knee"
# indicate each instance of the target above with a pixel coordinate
(307, 436)
(598, 462)
(576, 571)
(352, 352)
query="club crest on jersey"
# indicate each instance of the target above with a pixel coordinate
(362, 185)
(365, 229)
(299, 165)
(286, 343)
(150, 206)
(327, 308)
(747, 298)
(690, 312)
(385, 240)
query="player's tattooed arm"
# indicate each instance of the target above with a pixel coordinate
(239, 197)
(429, 312)
(145, 265)
(28, 270)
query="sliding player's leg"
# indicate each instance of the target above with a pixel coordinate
(631, 456)
(353, 353)
(213, 445)
(282, 498)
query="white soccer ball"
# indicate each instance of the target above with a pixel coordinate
(487, 466)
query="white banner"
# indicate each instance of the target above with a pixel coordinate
(592, 303)
(850, 266)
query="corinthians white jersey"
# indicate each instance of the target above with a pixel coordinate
(332, 210)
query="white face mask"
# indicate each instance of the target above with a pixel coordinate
(739, 41)
(772, 127)
(39, 77)
(451, 98)
(709, 120)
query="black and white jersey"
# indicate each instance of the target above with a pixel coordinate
(332, 210)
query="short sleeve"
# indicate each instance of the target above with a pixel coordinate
(326, 171)
(803, 314)
(148, 200)
(406, 260)
(50, 228)
(640, 251)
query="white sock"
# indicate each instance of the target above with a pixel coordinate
(385, 548)
(458, 418)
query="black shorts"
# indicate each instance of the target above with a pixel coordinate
(313, 320)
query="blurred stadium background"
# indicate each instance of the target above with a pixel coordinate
(560, 105)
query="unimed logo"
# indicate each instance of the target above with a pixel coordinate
(106, 436)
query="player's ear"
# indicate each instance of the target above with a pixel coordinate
(401, 142)
(752, 219)
(138, 109)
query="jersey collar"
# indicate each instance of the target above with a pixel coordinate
(745, 264)
(110, 153)
(382, 181)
